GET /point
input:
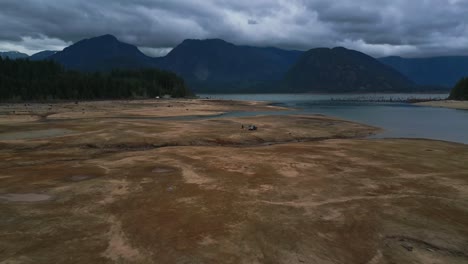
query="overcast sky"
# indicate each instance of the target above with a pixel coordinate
(411, 28)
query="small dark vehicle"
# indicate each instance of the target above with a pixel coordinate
(252, 128)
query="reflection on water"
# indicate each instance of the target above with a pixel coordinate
(399, 120)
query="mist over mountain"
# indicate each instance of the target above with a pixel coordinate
(13, 55)
(441, 71)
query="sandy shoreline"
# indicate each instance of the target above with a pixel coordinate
(26, 112)
(112, 181)
(462, 105)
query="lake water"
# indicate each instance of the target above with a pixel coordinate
(399, 120)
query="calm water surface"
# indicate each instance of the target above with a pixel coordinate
(399, 120)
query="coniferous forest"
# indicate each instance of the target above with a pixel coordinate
(47, 80)
(460, 91)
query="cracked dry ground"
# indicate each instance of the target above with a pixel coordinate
(205, 191)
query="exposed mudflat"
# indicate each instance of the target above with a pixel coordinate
(301, 189)
(24, 197)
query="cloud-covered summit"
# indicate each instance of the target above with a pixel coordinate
(380, 28)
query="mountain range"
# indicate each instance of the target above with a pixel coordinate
(343, 70)
(208, 65)
(436, 71)
(13, 55)
(217, 66)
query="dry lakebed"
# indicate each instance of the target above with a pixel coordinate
(144, 182)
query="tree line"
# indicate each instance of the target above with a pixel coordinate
(460, 91)
(47, 80)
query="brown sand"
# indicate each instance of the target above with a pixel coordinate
(298, 190)
(463, 105)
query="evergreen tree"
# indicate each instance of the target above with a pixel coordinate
(460, 91)
(41, 80)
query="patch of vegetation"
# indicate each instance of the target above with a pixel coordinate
(47, 80)
(460, 91)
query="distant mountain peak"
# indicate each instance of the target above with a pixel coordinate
(343, 70)
(12, 52)
(42, 55)
(104, 52)
(100, 40)
(206, 40)
(13, 55)
(340, 48)
(442, 71)
(215, 63)
(108, 37)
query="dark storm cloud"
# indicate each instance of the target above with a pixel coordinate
(384, 27)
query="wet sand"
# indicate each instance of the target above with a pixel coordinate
(463, 105)
(301, 189)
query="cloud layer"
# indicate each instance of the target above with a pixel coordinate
(385, 27)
